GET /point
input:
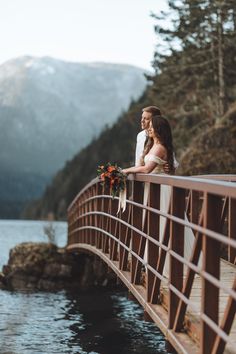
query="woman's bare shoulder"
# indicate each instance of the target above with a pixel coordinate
(159, 150)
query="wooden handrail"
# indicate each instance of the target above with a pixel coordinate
(148, 242)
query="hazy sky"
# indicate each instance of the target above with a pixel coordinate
(118, 31)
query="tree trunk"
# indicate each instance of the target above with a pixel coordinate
(222, 107)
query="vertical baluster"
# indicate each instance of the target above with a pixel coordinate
(194, 207)
(124, 231)
(113, 230)
(153, 231)
(81, 219)
(92, 217)
(86, 217)
(177, 245)
(99, 219)
(89, 217)
(232, 229)
(211, 265)
(196, 217)
(137, 222)
(74, 217)
(101, 209)
(105, 239)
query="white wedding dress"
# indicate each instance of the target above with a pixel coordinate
(165, 199)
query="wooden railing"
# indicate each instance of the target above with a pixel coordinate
(145, 245)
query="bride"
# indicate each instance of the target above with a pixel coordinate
(159, 149)
(157, 153)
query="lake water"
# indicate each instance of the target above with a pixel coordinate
(98, 321)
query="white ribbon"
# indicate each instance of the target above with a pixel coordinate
(122, 201)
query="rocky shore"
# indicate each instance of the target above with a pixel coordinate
(45, 267)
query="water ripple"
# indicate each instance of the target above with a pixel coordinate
(96, 322)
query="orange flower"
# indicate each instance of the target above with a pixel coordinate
(111, 168)
(103, 176)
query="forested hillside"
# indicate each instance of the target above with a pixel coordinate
(195, 87)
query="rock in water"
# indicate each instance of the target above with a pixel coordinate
(44, 266)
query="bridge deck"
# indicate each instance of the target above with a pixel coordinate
(193, 327)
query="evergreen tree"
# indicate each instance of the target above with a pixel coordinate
(199, 53)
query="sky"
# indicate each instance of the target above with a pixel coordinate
(116, 31)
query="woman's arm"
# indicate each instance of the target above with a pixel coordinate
(147, 168)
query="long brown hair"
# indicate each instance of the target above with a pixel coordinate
(162, 130)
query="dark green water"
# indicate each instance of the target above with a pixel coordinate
(98, 321)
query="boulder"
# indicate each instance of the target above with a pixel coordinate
(44, 266)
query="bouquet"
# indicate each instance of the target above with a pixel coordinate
(112, 177)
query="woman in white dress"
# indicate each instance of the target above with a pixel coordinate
(157, 153)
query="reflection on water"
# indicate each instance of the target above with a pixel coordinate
(113, 324)
(100, 321)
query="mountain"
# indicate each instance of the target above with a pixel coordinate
(50, 109)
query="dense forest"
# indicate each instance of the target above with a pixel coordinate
(194, 85)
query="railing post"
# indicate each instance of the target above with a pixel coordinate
(177, 245)
(85, 232)
(77, 221)
(92, 217)
(105, 239)
(98, 221)
(135, 238)
(153, 231)
(113, 230)
(83, 210)
(194, 207)
(232, 229)
(124, 231)
(211, 265)
(89, 218)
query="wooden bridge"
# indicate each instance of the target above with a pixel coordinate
(174, 248)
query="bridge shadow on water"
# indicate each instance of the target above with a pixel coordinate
(107, 322)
